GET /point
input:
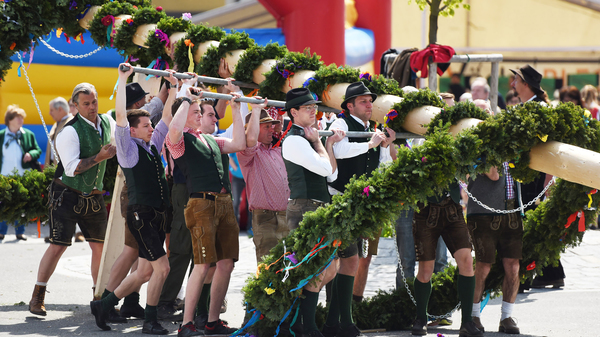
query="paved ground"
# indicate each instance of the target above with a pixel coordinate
(572, 311)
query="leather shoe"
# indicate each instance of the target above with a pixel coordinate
(99, 314)
(419, 327)
(477, 321)
(114, 317)
(154, 328)
(135, 311)
(509, 326)
(21, 237)
(468, 329)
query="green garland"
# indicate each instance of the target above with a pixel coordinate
(412, 100)
(196, 34)
(209, 65)
(253, 58)
(123, 38)
(25, 197)
(380, 85)
(290, 63)
(330, 75)
(69, 14)
(168, 25)
(451, 115)
(97, 29)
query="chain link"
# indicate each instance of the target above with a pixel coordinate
(518, 209)
(38, 107)
(67, 55)
(434, 317)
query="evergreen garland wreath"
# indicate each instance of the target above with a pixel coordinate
(209, 65)
(25, 197)
(411, 100)
(123, 38)
(72, 11)
(253, 58)
(381, 85)
(98, 30)
(168, 26)
(330, 75)
(284, 68)
(196, 34)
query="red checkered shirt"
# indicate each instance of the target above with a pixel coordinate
(178, 149)
(266, 177)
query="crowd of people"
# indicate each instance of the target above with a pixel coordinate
(183, 215)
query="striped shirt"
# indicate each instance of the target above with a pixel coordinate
(266, 177)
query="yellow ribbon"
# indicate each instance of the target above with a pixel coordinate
(189, 43)
(544, 138)
(269, 291)
(59, 32)
(511, 165)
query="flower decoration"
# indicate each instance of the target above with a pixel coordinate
(186, 16)
(159, 8)
(423, 160)
(366, 191)
(366, 76)
(531, 266)
(129, 21)
(108, 20)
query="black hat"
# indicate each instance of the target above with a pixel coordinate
(531, 76)
(264, 118)
(354, 90)
(134, 93)
(298, 97)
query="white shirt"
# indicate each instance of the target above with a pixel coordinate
(541, 103)
(12, 157)
(52, 152)
(67, 143)
(297, 149)
(346, 149)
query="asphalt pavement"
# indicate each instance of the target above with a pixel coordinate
(570, 311)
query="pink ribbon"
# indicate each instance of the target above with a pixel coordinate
(162, 37)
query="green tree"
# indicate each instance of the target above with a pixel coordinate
(436, 8)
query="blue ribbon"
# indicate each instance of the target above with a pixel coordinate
(115, 89)
(108, 31)
(485, 301)
(307, 82)
(287, 313)
(255, 317)
(20, 66)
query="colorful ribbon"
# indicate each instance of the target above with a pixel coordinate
(190, 45)
(594, 191)
(573, 217)
(162, 37)
(82, 14)
(114, 90)
(285, 316)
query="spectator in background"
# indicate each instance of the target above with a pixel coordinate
(512, 98)
(570, 94)
(456, 87)
(589, 96)
(448, 98)
(327, 120)
(480, 89)
(19, 152)
(466, 97)
(61, 114)
(237, 187)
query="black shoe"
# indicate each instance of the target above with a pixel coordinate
(113, 317)
(419, 327)
(154, 328)
(100, 315)
(540, 283)
(330, 331)
(469, 329)
(350, 331)
(220, 328)
(167, 312)
(21, 237)
(135, 311)
(187, 330)
(200, 321)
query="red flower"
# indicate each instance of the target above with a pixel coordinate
(159, 8)
(129, 21)
(531, 266)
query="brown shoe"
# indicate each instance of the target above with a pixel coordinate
(509, 326)
(477, 321)
(36, 305)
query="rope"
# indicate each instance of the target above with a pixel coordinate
(67, 55)
(38, 107)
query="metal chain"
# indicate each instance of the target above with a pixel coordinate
(67, 55)
(38, 107)
(434, 317)
(518, 209)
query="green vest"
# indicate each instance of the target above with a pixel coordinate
(146, 182)
(90, 143)
(303, 183)
(359, 165)
(201, 166)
